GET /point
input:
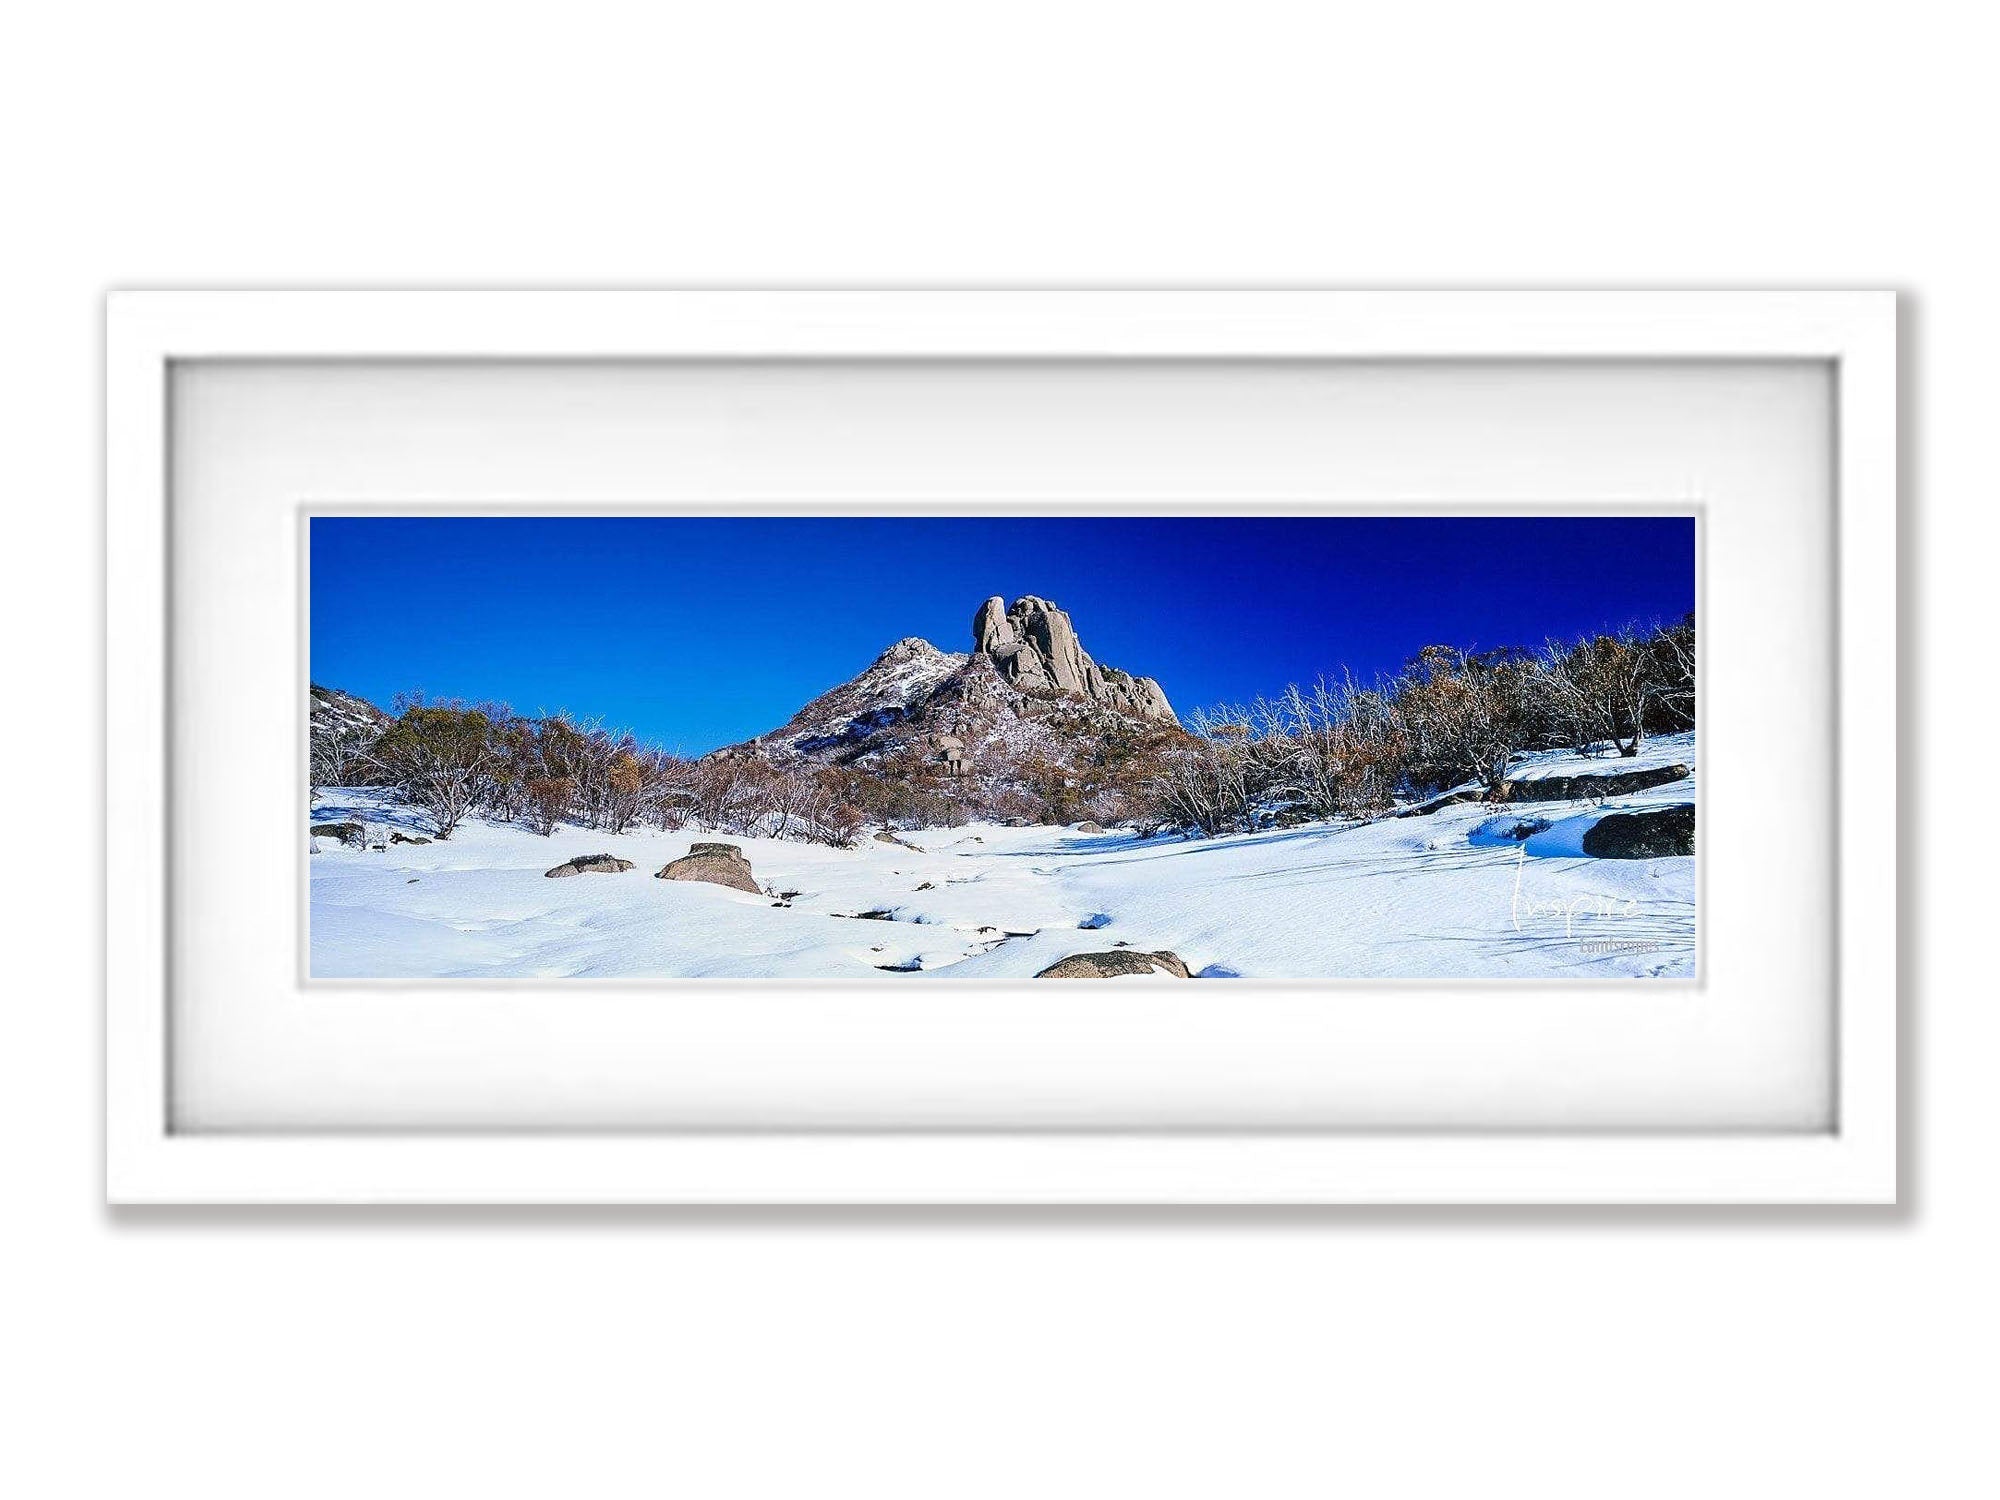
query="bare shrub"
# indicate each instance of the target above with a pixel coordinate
(624, 785)
(547, 798)
(840, 825)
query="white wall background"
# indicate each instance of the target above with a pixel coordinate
(985, 1354)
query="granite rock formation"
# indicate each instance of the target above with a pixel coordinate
(1027, 694)
(589, 864)
(717, 864)
(1656, 833)
(1117, 963)
(1035, 646)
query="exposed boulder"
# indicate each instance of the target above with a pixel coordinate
(589, 864)
(1656, 833)
(1086, 826)
(1116, 963)
(717, 864)
(1590, 784)
(949, 749)
(407, 838)
(1438, 804)
(350, 834)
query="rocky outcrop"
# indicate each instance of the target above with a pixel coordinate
(717, 864)
(332, 713)
(1116, 963)
(340, 731)
(949, 750)
(350, 834)
(589, 864)
(1035, 647)
(1439, 804)
(1657, 833)
(1589, 785)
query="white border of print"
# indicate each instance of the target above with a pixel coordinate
(1853, 1162)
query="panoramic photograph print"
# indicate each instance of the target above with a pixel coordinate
(1001, 747)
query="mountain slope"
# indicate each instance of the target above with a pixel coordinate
(334, 714)
(892, 688)
(340, 730)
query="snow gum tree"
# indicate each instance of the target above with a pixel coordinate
(1612, 688)
(547, 799)
(440, 757)
(1467, 715)
(1450, 717)
(1209, 782)
(625, 784)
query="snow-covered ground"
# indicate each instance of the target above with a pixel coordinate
(1456, 894)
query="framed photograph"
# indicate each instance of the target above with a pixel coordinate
(657, 747)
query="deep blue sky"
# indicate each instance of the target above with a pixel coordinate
(701, 632)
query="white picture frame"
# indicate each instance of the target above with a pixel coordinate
(148, 1160)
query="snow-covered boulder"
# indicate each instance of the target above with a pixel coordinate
(1439, 803)
(1116, 963)
(1533, 788)
(718, 864)
(1593, 786)
(1654, 834)
(590, 864)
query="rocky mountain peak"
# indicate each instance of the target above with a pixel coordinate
(1035, 647)
(1028, 694)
